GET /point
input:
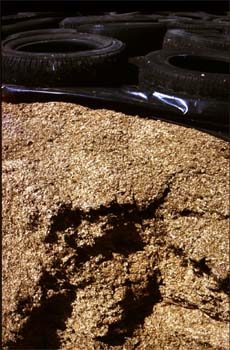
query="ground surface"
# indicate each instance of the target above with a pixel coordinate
(115, 232)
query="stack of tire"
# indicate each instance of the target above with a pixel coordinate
(176, 53)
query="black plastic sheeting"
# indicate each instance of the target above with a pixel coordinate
(208, 115)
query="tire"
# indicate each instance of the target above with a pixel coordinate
(222, 19)
(180, 38)
(62, 59)
(133, 34)
(38, 23)
(12, 19)
(203, 74)
(74, 22)
(23, 16)
(48, 14)
(36, 32)
(173, 18)
(187, 24)
(224, 22)
(193, 15)
(188, 15)
(124, 14)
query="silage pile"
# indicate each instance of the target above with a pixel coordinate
(115, 232)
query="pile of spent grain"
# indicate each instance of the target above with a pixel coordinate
(115, 232)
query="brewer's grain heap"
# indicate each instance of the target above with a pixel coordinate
(115, 232)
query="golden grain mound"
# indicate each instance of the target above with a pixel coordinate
(115, 232)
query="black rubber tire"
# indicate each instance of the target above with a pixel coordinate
(133, 34)
(182, 71)
(222, 19)
(55, 60)
(224, 22)
(23, 16)
(36, 32)
(124, 14)
(30, 24)
(74, 22)
(49, 14)
(187, 24)
(175, 19)
(190, 15)
(12, 19)
(199, 15)
(211, 39)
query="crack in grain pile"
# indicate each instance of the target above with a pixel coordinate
(115, 232)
